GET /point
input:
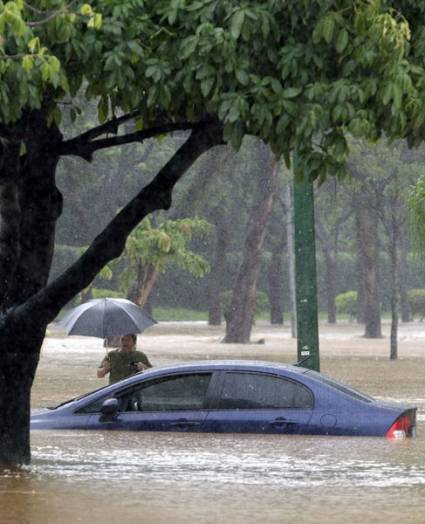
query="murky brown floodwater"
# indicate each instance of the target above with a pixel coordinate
(162, 477)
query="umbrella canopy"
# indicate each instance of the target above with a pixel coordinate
(106, 317)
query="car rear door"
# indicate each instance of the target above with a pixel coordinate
(258, 402)
(172, 403)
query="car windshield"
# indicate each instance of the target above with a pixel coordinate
(77, 398)
(341, 387)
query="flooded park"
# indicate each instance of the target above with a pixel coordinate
(129, 477)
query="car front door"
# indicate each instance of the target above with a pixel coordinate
(261, 403)
(172, 403)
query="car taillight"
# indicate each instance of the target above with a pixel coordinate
(403, 427)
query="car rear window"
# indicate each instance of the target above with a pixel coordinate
(339, 386)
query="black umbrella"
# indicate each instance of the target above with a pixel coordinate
(106, 317)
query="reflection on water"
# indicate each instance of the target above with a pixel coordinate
(117, 477)
(236, 459)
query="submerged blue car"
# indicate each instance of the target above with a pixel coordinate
(231, 396)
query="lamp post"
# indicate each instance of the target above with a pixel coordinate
(305, 274)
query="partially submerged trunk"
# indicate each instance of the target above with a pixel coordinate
(275, 282)
(240, 315)
(30, 205)
(367, 238)
(395, 288)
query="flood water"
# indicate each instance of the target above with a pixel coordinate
(124, 477)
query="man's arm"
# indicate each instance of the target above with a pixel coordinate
(143, 362)
(104, 368)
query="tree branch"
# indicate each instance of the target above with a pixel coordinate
(44, 306)
(111, 126)
(86, 148)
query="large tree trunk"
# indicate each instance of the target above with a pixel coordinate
(29, 304)
(367, 237)
(276, 243)
(18, 364)
(240, 314)
(150, 277)
(36, 211)
(395, 287)
(275, 291)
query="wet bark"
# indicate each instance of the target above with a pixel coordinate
(367, 239)
(275, 291)
(28, 217)
(150, 276)
(18, 364)
(276, 243)
(240, 315)
(395, 288)
(28, 302)
(328, 233)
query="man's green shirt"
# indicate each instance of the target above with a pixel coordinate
(121, 363)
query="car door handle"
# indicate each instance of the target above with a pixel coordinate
(183, 423)
(280, 422)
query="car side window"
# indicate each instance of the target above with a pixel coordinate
(263, 391)
(180, 392)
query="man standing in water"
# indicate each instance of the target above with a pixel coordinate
(124, 361)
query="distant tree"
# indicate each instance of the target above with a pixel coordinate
(330, 220)
(240, 314)
(366, 221)
(150, 249)
(387, 177)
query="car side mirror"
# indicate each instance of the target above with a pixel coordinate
(109, 407)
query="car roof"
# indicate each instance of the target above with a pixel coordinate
(195, 366)
(253, 365)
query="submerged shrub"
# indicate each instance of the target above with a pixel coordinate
(346, 303)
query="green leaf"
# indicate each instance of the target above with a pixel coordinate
(276, 86)
(318, 32)
(34, 45)
(27, 63)
(45, 72)
(188, 47)
(388, 93)
(328, 28)
(290, 107)
(242, 77)
(236, 24)
(341, 41)
(291, 92)
(206, 86)
(86, 10)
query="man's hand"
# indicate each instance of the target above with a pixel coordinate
(107, 366)
(104, 368)
(140, 366)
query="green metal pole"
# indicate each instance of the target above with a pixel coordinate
(305, 275)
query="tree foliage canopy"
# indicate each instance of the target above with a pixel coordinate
(295, 73)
